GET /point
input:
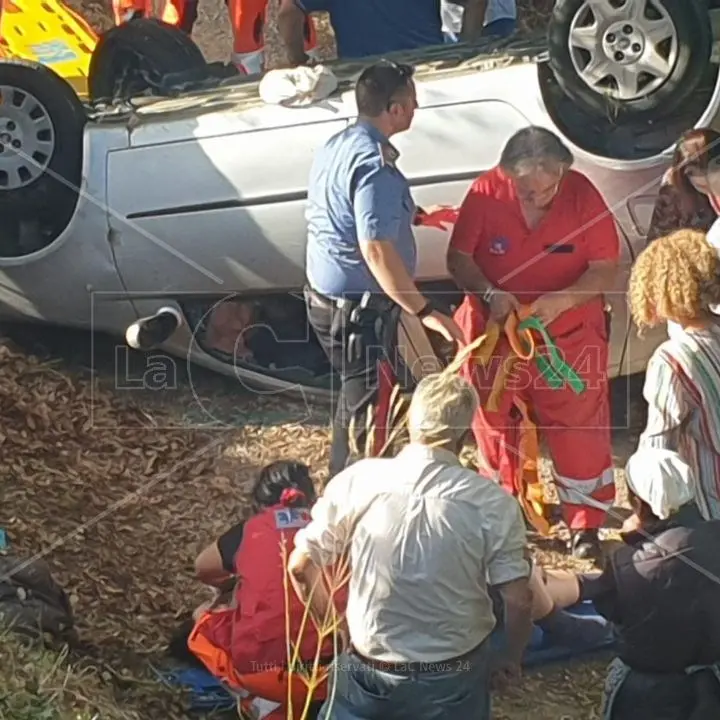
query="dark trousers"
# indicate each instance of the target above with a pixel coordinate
(667, 697)
(357, 373)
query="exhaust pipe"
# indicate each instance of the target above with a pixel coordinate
(149, 332)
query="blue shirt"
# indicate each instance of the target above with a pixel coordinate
(377, 27)
(355, 194)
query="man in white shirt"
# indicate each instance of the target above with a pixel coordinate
(499, 18)
(426, 539)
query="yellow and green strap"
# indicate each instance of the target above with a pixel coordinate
(551, 363)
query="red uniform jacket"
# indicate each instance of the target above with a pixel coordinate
(253, 632)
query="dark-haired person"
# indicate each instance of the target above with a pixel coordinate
(689, 197)
(533, 233)
(370, 27)
(239, 641)
(360, 218)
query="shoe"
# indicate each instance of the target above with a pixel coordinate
(149, 332)
(585, 545)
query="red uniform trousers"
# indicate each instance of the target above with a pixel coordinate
(575, 427)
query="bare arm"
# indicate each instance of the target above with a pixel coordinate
(379, 203)
(322, 544)
(466, 273)
(290, 21)
(508, 571)
(309, 584)
(389, 271)
(517, 601)
(473, 20)
(209, 568)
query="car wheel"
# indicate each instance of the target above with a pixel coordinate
(629, 58)
(41, 135)
(133, 58)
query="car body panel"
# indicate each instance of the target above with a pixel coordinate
(74, 281)
(458, 132)
(203, 195)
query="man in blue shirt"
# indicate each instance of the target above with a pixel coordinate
(360, 240)
(364, 27)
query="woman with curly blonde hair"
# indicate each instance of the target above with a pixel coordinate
(676, 280)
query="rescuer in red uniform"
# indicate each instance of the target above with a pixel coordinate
(533, 234)
(245, 643)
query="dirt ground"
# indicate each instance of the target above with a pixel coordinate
(119, 488)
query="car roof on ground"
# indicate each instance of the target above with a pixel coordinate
(445, 60)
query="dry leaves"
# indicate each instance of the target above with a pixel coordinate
(115, 503)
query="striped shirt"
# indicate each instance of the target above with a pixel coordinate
(682, 389)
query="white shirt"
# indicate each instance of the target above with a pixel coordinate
(426, 537)
(452, 14)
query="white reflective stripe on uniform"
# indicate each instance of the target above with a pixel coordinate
(579, 492)
(261, 708)
(249, 63)
(257, 709)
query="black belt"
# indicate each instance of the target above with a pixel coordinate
(324, 300)
(376, 301)
(453, 664)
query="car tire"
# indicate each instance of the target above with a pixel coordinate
(41, 157)
(132, 58)
(691, 39)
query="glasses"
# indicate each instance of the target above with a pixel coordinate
(546, 193)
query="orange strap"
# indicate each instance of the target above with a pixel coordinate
(522, 345)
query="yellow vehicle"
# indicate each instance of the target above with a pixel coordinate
(51, 34)
(98, 67)
(54, 69)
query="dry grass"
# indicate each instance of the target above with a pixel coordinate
(37, 684)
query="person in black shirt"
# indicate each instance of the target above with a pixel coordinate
(661, 592)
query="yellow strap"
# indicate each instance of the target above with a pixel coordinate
(531, 493)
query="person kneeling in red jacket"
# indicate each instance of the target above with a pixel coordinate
(244, 642)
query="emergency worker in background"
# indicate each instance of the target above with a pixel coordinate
(243, 641)
(532, 233)
(247, 18)
(360, 243)
(180, 13)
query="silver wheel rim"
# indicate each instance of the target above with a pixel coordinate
(27, 138)
(624, 49)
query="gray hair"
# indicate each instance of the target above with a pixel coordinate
(534, 148)
(441, 409)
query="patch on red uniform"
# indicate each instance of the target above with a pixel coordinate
(288, 518)
(499, 246)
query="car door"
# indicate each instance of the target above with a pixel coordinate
(214, 204)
